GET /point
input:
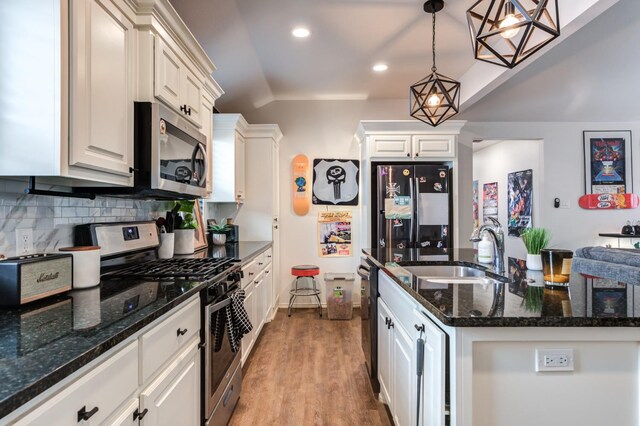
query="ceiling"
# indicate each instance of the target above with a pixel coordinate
(258, 61)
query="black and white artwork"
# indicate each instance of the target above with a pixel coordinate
(335, 182)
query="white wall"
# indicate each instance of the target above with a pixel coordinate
(563, 178)
(317, 129)
(493, 164)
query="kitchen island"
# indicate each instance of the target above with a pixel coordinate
(486, 345)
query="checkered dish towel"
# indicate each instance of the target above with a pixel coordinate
(237, 320)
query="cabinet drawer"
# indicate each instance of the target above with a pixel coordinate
(399, 302)
(249, 273)
(106, 387)
(261, 261)
(164, 340)
(268, 256)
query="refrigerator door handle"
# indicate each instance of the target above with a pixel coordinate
(411, 190)
(417, 201)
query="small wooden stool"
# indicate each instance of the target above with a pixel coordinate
(305, 271)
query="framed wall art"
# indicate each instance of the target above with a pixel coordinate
(607, 162)
(520, 201)
(336, 182)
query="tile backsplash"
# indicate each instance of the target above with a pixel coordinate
(53, 218)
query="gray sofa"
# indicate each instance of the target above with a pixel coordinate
(616, 264)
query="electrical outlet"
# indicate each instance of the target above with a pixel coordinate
(24, 241)
(554, 360)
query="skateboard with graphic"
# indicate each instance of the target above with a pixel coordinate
(609, 201)
(301, 199)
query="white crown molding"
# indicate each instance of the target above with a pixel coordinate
(271, 131)
(229, 122)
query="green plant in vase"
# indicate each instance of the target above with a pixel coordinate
(219, 233)
(535, 239)
(186, 225)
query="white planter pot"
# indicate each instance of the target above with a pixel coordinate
(219, 239)
(184, 241)
(534, 262)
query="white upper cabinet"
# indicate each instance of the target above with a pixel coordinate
(175, 84)
(95, 58)
(228, 158)
(408, 139)
(102, 83)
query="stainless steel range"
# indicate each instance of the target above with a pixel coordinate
(129, 253)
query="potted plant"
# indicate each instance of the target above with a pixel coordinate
(185, 228)
(535, 239)
(218, 233)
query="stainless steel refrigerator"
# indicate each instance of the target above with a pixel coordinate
(412, 206)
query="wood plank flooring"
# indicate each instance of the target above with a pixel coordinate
(307, 370)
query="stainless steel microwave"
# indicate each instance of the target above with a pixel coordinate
(170, 156)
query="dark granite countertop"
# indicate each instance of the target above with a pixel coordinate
(44, 342)
(518, 300)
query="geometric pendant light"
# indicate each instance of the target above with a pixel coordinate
(506, 32)
(435, 98)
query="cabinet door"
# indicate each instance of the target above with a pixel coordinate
(250, 307)
(403, 388)
(102, 83)
(259, 304)
(239, 170)
(384, 351)
(174, 397)
(442, 146)
(126, 416)
(433, 389)
(268, 289)
(191, 96)
(390, 146)
(168, 74)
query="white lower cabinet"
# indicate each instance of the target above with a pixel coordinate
(94, 396)
(174, 397)
(257, 282)
(399, 324)
(116, 393)
(384, 351)
(396, 367)
(250, 306)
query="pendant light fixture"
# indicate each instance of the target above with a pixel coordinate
(506, 32)
(435, 98)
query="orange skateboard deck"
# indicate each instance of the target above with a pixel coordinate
(609, 201)
(301, 199)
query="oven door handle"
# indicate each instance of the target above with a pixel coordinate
(213, 308)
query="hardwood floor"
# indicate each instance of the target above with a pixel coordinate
(307, 370)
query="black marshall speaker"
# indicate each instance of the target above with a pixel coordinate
(27, 278)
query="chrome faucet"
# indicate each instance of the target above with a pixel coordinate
(497, 236)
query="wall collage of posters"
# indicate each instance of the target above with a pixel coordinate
(335, 183)
(519, 201)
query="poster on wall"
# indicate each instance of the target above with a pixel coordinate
(476, 220)
(334, 234)
(489, 201)
(520, 195)
(335, 182)
(607, 162)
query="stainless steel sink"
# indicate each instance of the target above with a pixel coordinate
(460, 280)
(433, 271)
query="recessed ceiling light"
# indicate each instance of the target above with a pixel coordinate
(380, 67)
(301, 32)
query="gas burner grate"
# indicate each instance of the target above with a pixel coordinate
(174, 268)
